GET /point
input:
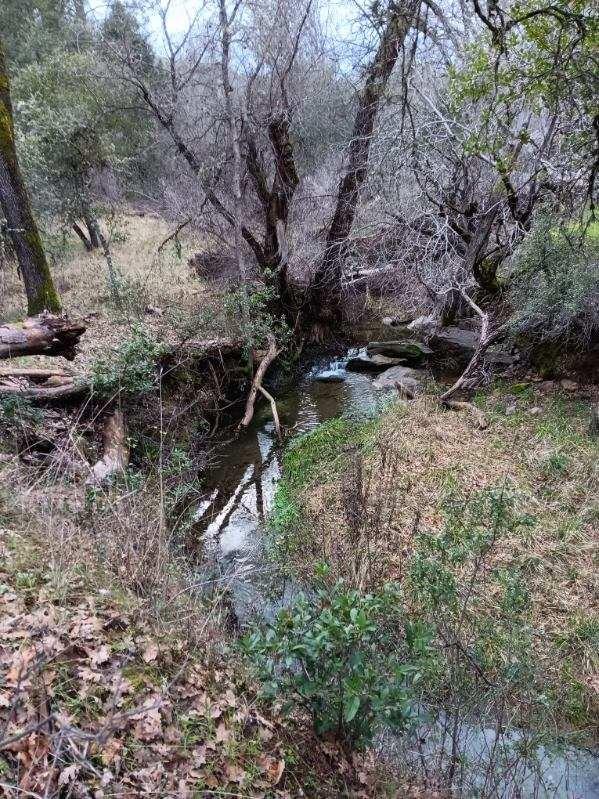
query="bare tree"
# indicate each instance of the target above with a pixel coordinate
(325, 295)
(258, 126)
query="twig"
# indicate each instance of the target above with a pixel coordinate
(174, 234)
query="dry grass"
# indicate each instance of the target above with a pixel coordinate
(434, 450)
(421, 453)
(112, 539)
(159, 279)
(135, 670)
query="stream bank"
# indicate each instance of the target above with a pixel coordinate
(231, 525)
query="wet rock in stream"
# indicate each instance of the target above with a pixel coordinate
(410, 350)
(401, 377)
(362, 361)
(330, 376)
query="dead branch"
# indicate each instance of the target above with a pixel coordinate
(174, 234)
(470, 377)
(268, 358)
(41, 335)
(65, 390)
(275, 413)
(115, 457)
(479, 417)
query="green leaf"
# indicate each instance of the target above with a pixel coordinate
(350, 708)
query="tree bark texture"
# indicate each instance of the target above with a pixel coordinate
(115, 455)
(40, 335)
(325, 292)
(39, 287)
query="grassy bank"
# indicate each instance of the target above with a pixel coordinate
(156, 287)
(491, 535)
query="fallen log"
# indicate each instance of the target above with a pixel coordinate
(41, 335)
(207, 347)
(41, 385)
(32, 374)
(115, 456)
(45, 394)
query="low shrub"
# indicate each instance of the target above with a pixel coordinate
(131, 369)
(349, 659)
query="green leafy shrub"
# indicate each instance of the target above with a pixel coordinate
(347, 658)
(132, 367)
(555, 285)
(18, 410)
(250, 311)
(480, 606)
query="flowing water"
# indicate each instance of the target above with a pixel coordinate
(241, 488)
(230, 523)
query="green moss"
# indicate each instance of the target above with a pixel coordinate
(485, 274)
(312, 457)
(323, 448)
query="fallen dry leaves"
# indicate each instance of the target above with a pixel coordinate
(91, 705)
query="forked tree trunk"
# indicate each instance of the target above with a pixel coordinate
(40, 290)
(324, 307)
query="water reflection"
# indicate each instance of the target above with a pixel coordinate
(240, 491)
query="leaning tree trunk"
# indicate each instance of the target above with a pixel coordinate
(92, 225)
(40, 290)
(82, 235)
(324, 307)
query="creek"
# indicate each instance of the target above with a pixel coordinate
(230, 523)
(241, 488)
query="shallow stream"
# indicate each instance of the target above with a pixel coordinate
(230, 523)
(241, 488)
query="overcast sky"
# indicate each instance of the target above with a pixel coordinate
(336, 15)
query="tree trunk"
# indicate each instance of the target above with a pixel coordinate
(113, 274)
(81, 233)
(482, 267)
(325, 293)
(225, 30)
(273, 256)
(115, 456)
(40, 290)
(93, 227)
